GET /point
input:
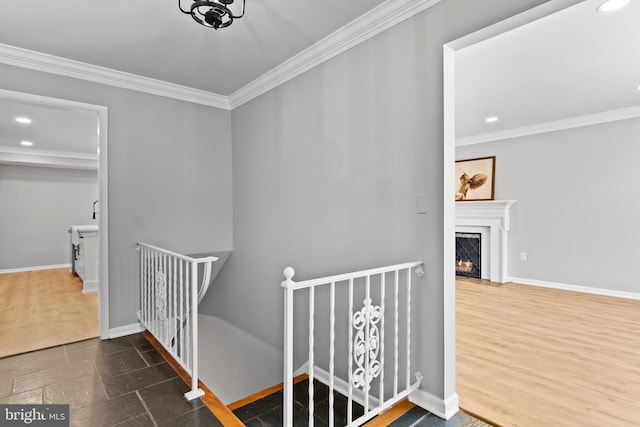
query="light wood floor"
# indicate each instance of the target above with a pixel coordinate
(44, 308)
(530, 356)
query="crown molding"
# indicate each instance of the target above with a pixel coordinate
(48, 158)
(372, 23)
(24, 58)
(553, 126)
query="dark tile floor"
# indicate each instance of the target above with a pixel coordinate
(119, 382)
(125, 382)
(268, 411)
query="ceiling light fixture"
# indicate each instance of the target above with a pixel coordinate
(611, 5)
(23, 120)
(491, 119)
(213, 13)
(26, 143)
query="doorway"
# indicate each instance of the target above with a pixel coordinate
(67, 159)
(451, 52)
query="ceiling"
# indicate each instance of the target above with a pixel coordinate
(573, 63)
(154, 39)
(59, 129)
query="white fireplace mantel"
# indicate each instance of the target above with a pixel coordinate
(492, 215)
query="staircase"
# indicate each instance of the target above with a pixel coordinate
(265, 407)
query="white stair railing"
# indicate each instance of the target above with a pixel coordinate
(366, 339)
(169, 300)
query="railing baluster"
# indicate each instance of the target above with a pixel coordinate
(395, 364)
(143, 290)
(150, 287)
(311, 352)
(332, 337)
(174, 317)
(187, 302)
(367, 339)
(382, 307)
(154, 316)
(194, 325)
(163, 296)
(408, 381)
(147, 270)
(182, 312)
(350, 367)
(141, 282)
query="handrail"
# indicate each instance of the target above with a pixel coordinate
(346, 276)
(176, 254)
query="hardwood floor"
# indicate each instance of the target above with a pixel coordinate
(44, 308)
(531, 356)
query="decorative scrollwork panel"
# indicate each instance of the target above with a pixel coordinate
(161, 296)
(366, 345)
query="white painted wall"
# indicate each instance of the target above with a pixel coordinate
(577, 214)
(37, 206)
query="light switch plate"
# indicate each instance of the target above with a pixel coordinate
(422, 203)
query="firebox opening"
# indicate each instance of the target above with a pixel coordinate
(468, 254)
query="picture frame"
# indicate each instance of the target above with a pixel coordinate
(475, 179)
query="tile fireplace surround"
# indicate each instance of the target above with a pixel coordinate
(491, 219)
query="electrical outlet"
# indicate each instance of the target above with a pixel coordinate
(523, 256)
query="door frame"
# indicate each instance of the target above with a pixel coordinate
(449, 210)
(103, 193)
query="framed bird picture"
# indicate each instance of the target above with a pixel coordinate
(474, 179)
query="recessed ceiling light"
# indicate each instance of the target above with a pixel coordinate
(491, 119)
(611, 5)
(23, 120)
(26, 143)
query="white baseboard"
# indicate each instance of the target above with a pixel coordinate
(91, 286)
(443, 408)
(122, 331)
(575, 288)
(36, 268)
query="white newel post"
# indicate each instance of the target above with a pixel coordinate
(287, 409)
(195, 390)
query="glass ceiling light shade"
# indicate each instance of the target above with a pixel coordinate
(214, 13)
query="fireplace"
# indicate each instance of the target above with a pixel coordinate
(491, 219)
(468, 254)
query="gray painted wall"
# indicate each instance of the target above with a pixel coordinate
(576, 216)
(169, 175)
(37, 206)
(326, 169)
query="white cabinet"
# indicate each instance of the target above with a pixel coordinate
(84, 255)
